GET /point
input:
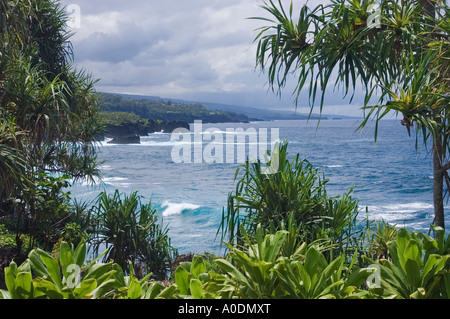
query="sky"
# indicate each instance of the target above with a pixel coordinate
(197, 50)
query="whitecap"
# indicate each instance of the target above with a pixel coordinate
(177, 208)
(398, 212)
(114, 179)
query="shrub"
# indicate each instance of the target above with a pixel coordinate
(42, 276)
(418, 267)
(296, 190)
(132, 231)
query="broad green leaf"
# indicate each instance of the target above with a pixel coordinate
(10, 278)
(182, 280)
(110, 275)
(273, 245)
(431, 264)
(196, 289)
(23, 288)
(65, 256)
(134, 289)
(198, 266)
(402, 241)
(334, 270)
(358, 277)
(204, 278)
(315, 262)
(85, 288)
(413, 273)
(446, 284)
(167, 293)
(38, 266)
(80, 254)
(96, 271)
(153, 290)
(412, 252)
(45, 266)
(52, 266)
(232, 270)
(103, 289)
(47, 288)
(119, 275)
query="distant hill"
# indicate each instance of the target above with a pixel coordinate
(167, 110)
(252, 113)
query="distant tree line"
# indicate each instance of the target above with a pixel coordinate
(167, 111)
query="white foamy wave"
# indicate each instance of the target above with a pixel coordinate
(114, 179)
(165, 143)
(398, 212)
(335, 166)
(117, 181)
(171, 209)
(232, 132)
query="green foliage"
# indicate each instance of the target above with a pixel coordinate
(120, 118)
(379, 237)
(295, 193)
(165, 110)
(42, 276)
(261, 271)
(315, 278)
(132, 230)
(419, 267)
(49, 282)
(252, 270)
(48, 120)
(6, 238)
(192, 279)
(400, 61)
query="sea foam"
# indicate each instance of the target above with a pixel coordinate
(177, 208)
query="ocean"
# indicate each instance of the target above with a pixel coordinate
(393, 180)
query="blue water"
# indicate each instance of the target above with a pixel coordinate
(392, 179)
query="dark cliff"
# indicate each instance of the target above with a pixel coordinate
(130, 133)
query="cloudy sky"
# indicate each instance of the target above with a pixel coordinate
(200, 50)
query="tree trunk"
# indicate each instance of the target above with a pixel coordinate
(438, 183)
(438, 151)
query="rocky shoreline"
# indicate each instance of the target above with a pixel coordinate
(130, 133)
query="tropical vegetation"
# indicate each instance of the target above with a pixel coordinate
(395, 52)
(166, 110)
(285, 238)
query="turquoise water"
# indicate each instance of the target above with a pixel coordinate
(391, 178)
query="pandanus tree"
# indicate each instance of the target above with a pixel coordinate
(396, 52)
(48, 109)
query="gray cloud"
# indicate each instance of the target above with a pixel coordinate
(196, 49)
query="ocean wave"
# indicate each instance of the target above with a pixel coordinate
(114, 179)
(171, 209)
(398, 212)
(232, 132)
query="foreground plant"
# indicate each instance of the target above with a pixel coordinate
(133, 232)
(295, 194)
(395, 52)
(42, 276)
(48, 119)
(263, 271)
(419, 267)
